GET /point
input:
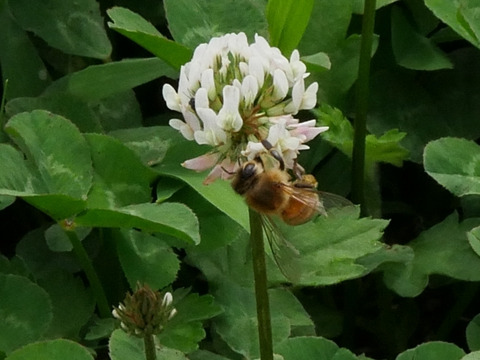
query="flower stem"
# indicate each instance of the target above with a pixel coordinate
(360, 125)
(149, 342)
(87, 266)
(261, 290)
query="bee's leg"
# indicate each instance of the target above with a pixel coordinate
(275, 154)
(298, 170)
(304, 181)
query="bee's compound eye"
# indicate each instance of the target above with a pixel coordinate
(248, 170)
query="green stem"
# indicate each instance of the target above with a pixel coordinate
(87, 266)
(464, 299)
(149, 342)
(261, 289)
(360, 125)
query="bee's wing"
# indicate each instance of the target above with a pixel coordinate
(333, 201)
(285, 254)
(323, 203)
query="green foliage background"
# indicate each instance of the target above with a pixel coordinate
(86, 153)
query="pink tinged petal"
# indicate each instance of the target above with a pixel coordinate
(216, 173)
(225, 170)
(306, 130)
(249, 89)
(171, 97)
(184, 129)
(207, 81)
(310, 97)
(289, 120)
(202, 162)
(229, 168)
(229, 117)
(280, 85)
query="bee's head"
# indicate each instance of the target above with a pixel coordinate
(247, 175)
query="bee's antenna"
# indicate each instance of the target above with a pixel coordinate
(227, 171)
(276, 155)
(266, 144)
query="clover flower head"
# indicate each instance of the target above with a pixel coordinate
(233, 95)
(145, 312)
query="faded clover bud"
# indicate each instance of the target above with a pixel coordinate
(233, 95)
(145, 312)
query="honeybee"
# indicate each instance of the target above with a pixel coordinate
(270, 190)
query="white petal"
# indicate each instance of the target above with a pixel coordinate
(280, 85)
(249, 90)
(291, 143)
(256, 69)
(207, 81)
(171, 97)
(243, 66)
(183, 84)
(192, 120)
(167, 299)
(253, 149)
(212, 134)
(184, 128)
(297, 97)
(309, 99)
(200, 137)
(176, 123)
(187, 132)
(229, 117)
(295, 56)
(201, 99)
(208, 117)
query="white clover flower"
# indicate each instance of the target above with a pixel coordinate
(233, 95)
